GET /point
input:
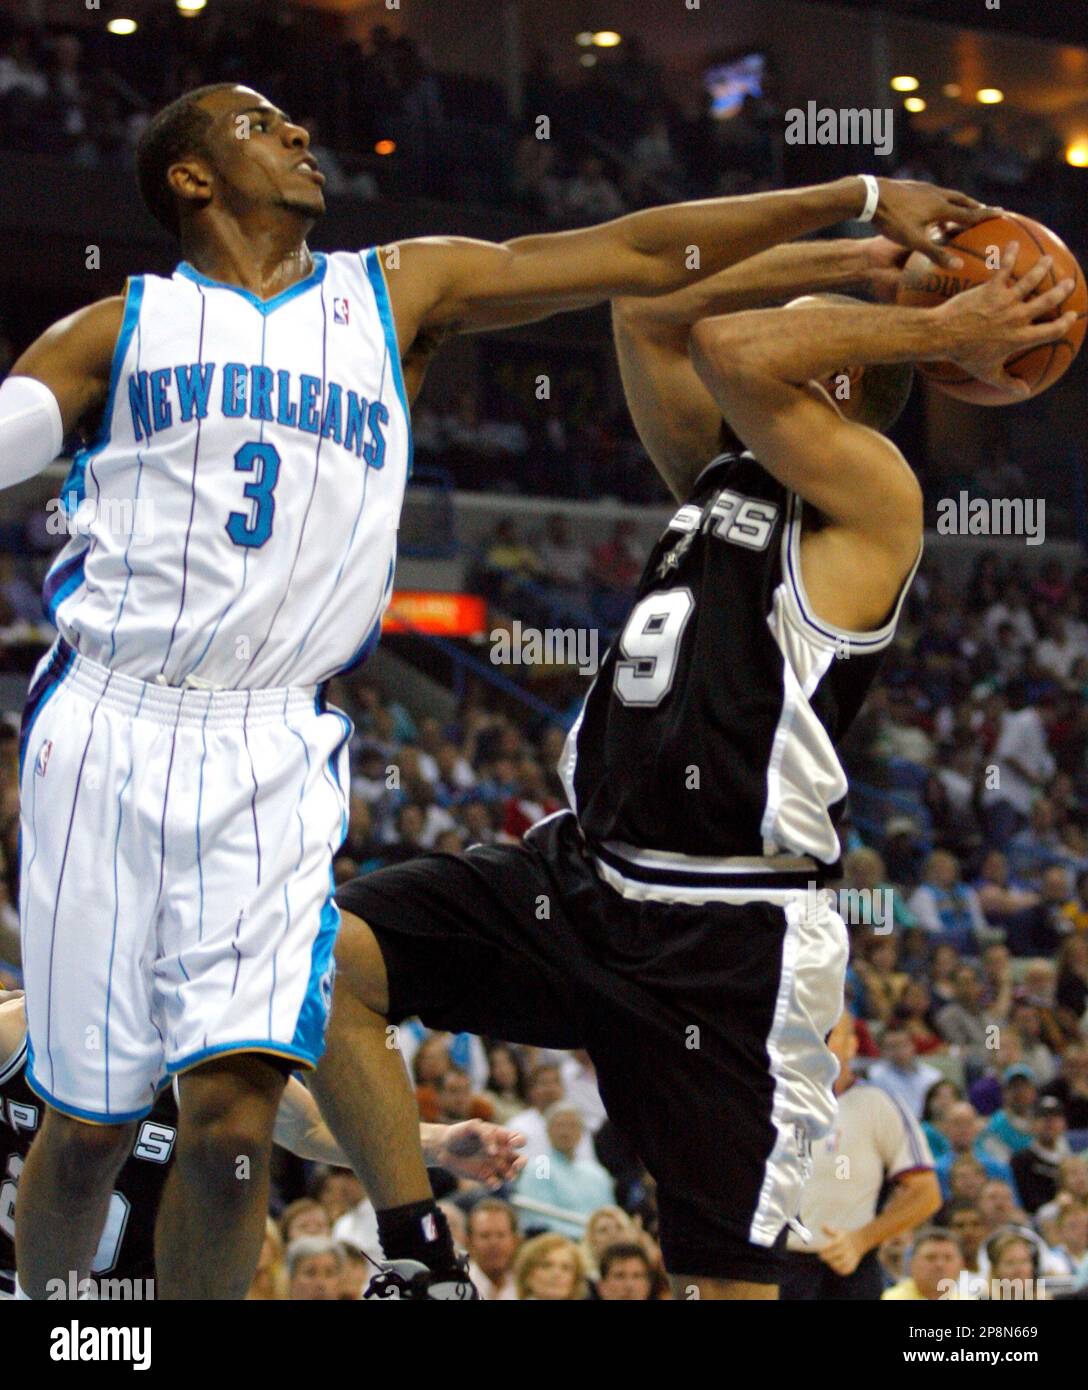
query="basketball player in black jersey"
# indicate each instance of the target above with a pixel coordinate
(124, 1263)
(670, 922)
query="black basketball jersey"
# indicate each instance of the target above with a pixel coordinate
(126, 1249)
(710, 731)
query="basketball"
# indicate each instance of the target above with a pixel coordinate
(981, 248)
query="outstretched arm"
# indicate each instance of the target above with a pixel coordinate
(474, 1149)
(760, 366)
(677, 418)
(454, 284)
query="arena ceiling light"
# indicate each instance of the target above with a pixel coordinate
(584, 39)
(607, 38)
(904, 83)
(1077, 154)
(915, 104)
(385, 147)
(122, 26)
(989, 96)
(191, 7)
(951, 89)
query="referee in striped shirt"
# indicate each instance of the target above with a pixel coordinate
(874, 1142)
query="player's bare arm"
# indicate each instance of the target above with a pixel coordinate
(677, 418)
(474, 1149)
(457, 284)
(73, 358)
(764, 372)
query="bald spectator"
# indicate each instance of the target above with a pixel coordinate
(880, 1143)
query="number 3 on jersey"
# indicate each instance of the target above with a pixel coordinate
(255, 527)
(649, 644)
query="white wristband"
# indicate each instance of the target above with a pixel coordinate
(872, 198)
(31, 429)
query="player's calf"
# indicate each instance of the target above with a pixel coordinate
(63, 1197)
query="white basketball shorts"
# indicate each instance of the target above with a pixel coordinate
(176, 884)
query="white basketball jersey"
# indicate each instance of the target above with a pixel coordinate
(236, 519)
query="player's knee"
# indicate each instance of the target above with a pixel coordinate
(224, 1149)
(83, 1153)
(360, 967)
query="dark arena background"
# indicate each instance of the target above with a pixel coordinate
(528, 518)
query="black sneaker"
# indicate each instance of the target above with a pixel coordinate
(412, 1280)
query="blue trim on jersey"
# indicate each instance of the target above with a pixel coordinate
(376, 275)
(100, 1117)
(61, 581)
(264, 306)
(74, 489)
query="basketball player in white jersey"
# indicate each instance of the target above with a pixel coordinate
(233, 547)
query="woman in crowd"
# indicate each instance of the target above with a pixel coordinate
(550, 1269)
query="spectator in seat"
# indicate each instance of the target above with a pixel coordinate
(962, 1128)
(549, 1269)
(606, 1226)
(997, 980)
(1071, 1242)
(965, 1023)
(616, 564)
(965, 1223)
(1071, 989)
(1070, 1087)
(1013, 1267)
(456, 1101)
(935, 1263)
(493, 1241)
(627, 1275)
(506, 1086)
(1000, 895)
(1076, 910)
(315, 1266)
(1024, 766)
(1027, 1021)
(1010, 1128)
(559, 1178)
(591, 196)
(948, 909)
(1038, 845)
(1036, 1168)
(545, 1088)
(901, 1074)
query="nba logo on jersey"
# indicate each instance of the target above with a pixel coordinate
(340, 313)
(43, 757)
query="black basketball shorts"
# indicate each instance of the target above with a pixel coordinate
(707, 1024)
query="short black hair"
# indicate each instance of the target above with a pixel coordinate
(885, 387)
(178, 130)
